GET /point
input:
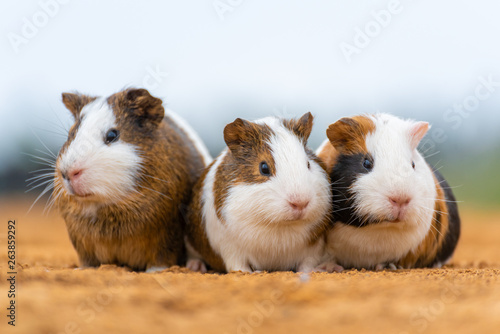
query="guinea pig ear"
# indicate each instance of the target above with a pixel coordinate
(144, 105)
(302, 127)
(236, 133)
(348, 135)
(417, 133)
(75, 102)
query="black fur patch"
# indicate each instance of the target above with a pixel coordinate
(451, 239)
(345, 172)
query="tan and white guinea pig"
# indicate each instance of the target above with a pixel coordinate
(264, 203)
(390, 208)
(123, 177)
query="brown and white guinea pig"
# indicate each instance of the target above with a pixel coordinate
(391, 209)
(264, 203)
(122, 178)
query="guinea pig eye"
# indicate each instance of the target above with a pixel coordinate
(413, 164)
(111, 136)
(264, 169)
(368, 164)
(308, 165)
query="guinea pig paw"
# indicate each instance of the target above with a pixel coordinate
(392, 266)
(329, 267)
(383, 266)
(197, 265)
(154, 269)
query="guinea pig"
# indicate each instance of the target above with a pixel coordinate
(390, 208)
(264, 203)
(123, 177)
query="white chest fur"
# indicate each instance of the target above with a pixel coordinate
(365, 247)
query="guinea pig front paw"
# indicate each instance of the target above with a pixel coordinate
(329, 267)
(154, 269)
(197, 265)
(383, 266)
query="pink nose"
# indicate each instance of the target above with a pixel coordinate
(399, 201)
(298, 205)
(75, 174)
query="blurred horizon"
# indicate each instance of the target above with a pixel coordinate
(214, 61)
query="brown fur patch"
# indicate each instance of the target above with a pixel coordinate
(348, 135)
(302, 127)
(195, 230)
(75, 102)
(146, 228)
(248, 147)
(427, 251)
(328, 156)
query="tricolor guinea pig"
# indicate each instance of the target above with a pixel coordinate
(123, 177)
(390, 208)
(264, 203)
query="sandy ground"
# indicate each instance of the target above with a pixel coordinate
(55, 297)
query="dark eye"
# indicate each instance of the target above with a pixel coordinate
(309, 165)
(368, 164)
(111, 136)
(264, 169)
(413, 164)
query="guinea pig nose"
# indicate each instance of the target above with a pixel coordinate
(399, 200)
(298, 205)
(74, 174)
(64, 176)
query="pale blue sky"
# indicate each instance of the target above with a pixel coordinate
(266, 57)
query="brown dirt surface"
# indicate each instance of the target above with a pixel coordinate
(54, 296)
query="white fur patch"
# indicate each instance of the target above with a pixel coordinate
(322, 146)
(151, 270)
(197, 142)
(392, 175)
(108, 170)
(258, 228)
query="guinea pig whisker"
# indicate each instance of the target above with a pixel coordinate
(41, 176)
(156, 178)
(58, 191)
(46, 147)
(444, 200)
(335, 185)
(47, 189)
(440, 182)
(431, 155)
(437, 169)
(46, 160)
(364, 221)
(160, 193)
(41, 170)
(435, 211)
(59, 125)
(338, 200)
(47, 154)
(337, 181)
(39, 185)
(43, 163)
(62, 134)
(433, 228)
(38, 180)
(348, 208)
